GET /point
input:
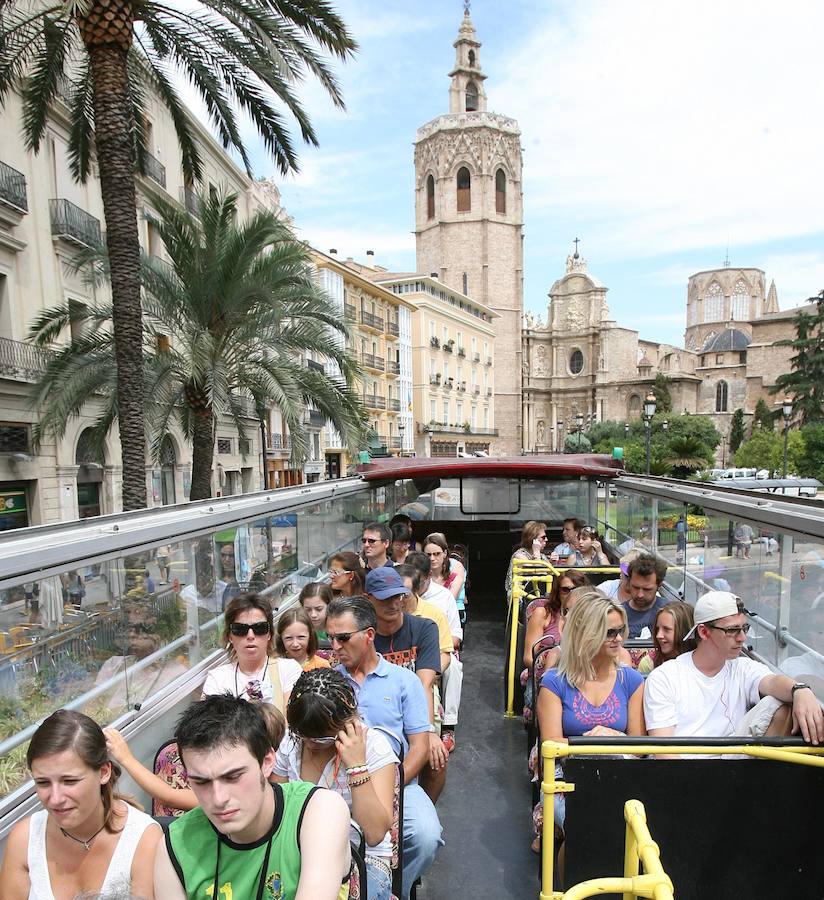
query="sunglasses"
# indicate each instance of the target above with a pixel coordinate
(321, 741)
(344, 636)
(238, 629)
(732, 630)
(335, 573)
(613, 633)
(372, 541)
(564, 589)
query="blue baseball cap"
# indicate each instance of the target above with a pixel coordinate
(385, 583)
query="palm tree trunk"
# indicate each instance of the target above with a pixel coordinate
(115, 158)
(203, 448)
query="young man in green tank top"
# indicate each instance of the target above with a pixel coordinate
(248, 839)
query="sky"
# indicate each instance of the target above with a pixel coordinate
(660, 134)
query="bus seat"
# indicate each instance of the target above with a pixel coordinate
(169, 766)
(727, 828)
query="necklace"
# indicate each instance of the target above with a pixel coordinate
(87, 844)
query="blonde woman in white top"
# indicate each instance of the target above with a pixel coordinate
(87, 839)
(253, 672)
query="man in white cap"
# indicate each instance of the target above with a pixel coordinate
(708, 692)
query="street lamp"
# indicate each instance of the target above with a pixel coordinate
(401, 430)
(626, 431)
(665, 424)
(649, 412)
(787, 411)
(579, 421)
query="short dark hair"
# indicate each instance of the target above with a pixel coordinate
(420, 561)
(223, 720)
(401, 532)
(646, 565)
(577, 524)
(362, 610)
(382, 530)
(408, 571)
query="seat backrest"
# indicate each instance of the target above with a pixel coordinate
(726, 828)
(357, 875)
(169, 766)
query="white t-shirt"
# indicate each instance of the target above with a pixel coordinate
(609, 588)
(228, 678)
(678, 695)
(212, 602)
(379, 753)
(800, 666)
(439, 596)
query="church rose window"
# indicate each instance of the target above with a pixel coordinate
(576, 362)
(464, 190)
(500, 192)
(430, 197)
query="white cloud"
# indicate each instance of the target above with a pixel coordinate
(665, 127)
(798, 276)
(390, 248)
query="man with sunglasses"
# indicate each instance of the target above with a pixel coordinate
(392, 698)
(376, 538)
(708, 692)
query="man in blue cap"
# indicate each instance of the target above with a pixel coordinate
(412, 642)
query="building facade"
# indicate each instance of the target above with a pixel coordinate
(469, 217)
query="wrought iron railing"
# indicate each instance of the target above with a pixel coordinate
(22, 360)
(13, 187)
(396, 443)
(188, 197)
(393, 404)
(393, 367)
(280, 442)
(372, 362)
(392, 327)
(73, 223)
(373, 401)
(476, 357)
(153, 168)
(316, 418)
(349, 311)
(372, 320)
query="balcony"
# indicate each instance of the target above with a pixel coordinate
(393, 367)
(315, 418)
(349, 311)
(448, 384)
(440, 428)
(370, 320)
(153, 168)
(392, 328)
(22, 362)
(489, 392)
(476, 390)
(74, 224)
(279, 442)
(489, 360)
(396, 443)
(434, 342)
(435, 379)
(13, 189)
(370, 361)
(393, 404)
(462, 387)
(476, 357)
(448, 345)
(315, 366)
(189, 199)
(374, 401)
(461, 351)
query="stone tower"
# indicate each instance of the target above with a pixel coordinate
(469, 217)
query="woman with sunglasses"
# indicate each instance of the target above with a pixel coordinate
(253, 671)
(346, 574)
(589, 551)
(591, 693)
(328, 745)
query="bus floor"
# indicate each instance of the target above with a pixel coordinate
(485, 806)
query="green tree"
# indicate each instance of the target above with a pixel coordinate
(737, 430)
(700, 427)
(811, 462)
(763, 417)
(805, 381)
(635, 459)
(577, 443)
(687, 454)
(241, 56)
(765, 450)
(663, 398)
(241, 306)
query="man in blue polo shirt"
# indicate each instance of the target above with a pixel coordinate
(390, 697)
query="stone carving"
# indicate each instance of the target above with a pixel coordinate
(575, 263)
(541, 431)
(575, 319)
(540, 361)
(529, 320)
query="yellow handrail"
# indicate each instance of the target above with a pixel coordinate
(639, 845)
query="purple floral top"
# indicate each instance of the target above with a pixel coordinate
(579, 716)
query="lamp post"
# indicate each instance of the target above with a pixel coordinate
(787, 411)
(649, 412)
(579, 421)
(665, 424)
(401, 430)
(626, 431)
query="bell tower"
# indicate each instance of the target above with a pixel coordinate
(469, 217)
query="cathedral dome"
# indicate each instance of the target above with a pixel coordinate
(728, 339)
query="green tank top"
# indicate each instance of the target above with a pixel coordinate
(193, 842)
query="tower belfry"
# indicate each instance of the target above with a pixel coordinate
(469, 217)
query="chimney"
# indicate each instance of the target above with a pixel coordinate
(333, 252)
(370, 258)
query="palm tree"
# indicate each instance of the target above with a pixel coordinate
(103, 56)
(687, 454)
(236, 307)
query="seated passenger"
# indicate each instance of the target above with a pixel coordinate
(178, 797)
(314, 598)
(296, 639)
(437, 595)
(390, 697)
(708, 691)
(327, 744)
(669, 635)
(618, 588)
(588, 550)
(415, 606)
(247, 833)
(376, 538)
(253, 673)
(401, 542)
(87, 838)
(346, 574)
(532, 546)
(644, 574)
(561, 552)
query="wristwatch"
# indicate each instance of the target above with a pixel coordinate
(798, 686)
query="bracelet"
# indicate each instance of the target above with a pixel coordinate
(358, 782)
(357, 770)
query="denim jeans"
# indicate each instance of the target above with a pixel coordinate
(421, 835)
(379, 883)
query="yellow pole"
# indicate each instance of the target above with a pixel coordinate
(513, 649)
(548, 834)
(631, 859)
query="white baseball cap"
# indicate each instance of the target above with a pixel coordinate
(711, 606)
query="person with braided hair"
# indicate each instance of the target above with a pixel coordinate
(327, 744)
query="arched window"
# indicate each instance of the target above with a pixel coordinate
(634, 407)
(721, 392)
(430, 197)
(500, 192)
(471, 96)
(168, 461)
(90, 462)
(464, 190)
(714, 303)
(740, 302)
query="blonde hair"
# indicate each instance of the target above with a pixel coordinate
(584, 635)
